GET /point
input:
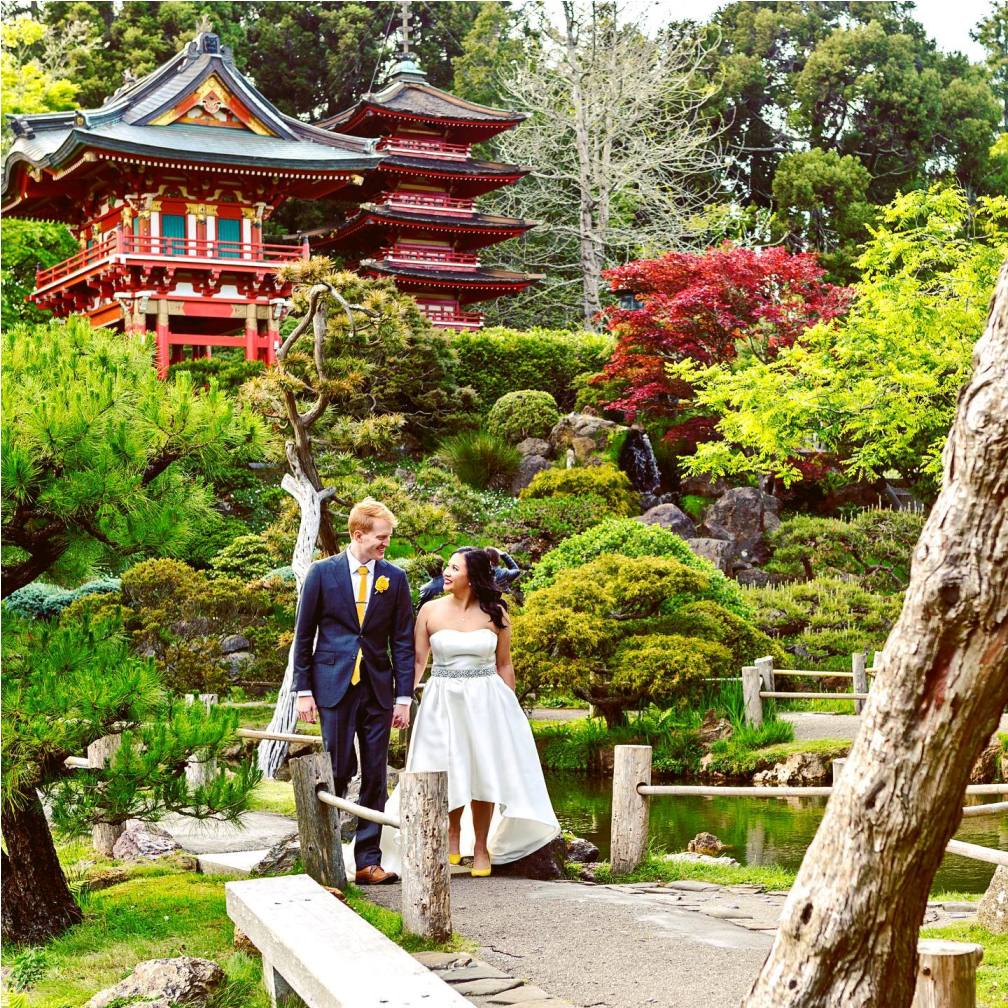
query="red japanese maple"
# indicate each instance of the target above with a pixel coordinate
(707, 307)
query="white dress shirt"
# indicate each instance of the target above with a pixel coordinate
(354, 564)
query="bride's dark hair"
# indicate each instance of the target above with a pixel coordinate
(480, 572)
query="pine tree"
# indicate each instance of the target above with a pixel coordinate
(64, 688)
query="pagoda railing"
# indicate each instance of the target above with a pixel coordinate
(425, 148)
(120, 244)
(422, 255)
(453, 319)
(430, 203)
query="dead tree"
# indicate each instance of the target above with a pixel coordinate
(848, 933)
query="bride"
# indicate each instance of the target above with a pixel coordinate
(471, 724)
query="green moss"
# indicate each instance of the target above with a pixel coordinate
(656, 869)
(992, 973)
(740, 760)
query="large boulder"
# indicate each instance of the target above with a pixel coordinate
(545, 864)
(526, 472)
(164, 982)
(668, 516)
(143, 841)
(533, 446)
(280, 858)
(234, 643)
(743, 514)
(801, 769)
(992, 913)
(582, 851)
(718, 551)
(574, 426)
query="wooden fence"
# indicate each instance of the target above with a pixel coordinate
(946, 970)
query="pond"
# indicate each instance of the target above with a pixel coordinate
(758, 831)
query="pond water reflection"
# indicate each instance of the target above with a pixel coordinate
(758, 831)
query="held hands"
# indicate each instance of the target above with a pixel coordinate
(401, 716)
(306, 709)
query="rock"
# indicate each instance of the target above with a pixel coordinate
(985, 768)
(544, 864)
(668, 516)
(992, 912)
(694, 858)
(280, 858)
(714, 728)
(801, 769)
(584, 448)
(236, 662)
(142, 841)
(184, 980)
(582, 851)
(533, 446)
(582, 425)
(752, 577)
(527, 469)
(234, 642)
(243, 943)
(294, 750)
(588, 872)
(718, 551)
(743, 514)
(706, 843)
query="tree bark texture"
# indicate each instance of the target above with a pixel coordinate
(848, 934)
(37, 902)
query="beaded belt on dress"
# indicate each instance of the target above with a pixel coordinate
(473, 672)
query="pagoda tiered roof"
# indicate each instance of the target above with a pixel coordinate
(196, 111)
(409, 99)
(478, 283)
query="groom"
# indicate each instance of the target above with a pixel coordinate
(360, 607)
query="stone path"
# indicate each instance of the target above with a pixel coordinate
(484, 986)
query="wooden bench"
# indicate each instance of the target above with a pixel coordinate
(317, 948)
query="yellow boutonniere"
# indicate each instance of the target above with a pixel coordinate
(381, 584)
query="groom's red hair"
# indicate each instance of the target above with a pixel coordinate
(365, 513)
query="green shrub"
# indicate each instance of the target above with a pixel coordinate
(479, 458)
(496, 361)
(606, 481)
(246, 558)
(875, 546)
(539, 525)
(694, 505)
(604, 632)
(39, 600)
(822, 622)
(229, 367)
(631, 538)
(524, 414)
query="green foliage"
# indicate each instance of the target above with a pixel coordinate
(496, 360)
(874, 547)
(694, 505)
(100, 459)
(246, 558)
(654, 868)
(634, 539)
(67, 685)
(523, 414)
(29, 966)
(28, 245)
(605, 481)
(46, 601)
(824, 621)
(482, 459)
(489, 45)
(751, 750)
(878, 389)
(606, 630)
(538, 525)
(228, 368)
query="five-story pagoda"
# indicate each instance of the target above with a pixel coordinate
(166, 186)
(417, 221)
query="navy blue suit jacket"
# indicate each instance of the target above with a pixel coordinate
(328, 605)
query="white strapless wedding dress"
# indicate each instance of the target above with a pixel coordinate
(471, 724)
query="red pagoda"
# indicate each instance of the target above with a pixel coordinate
(417, 221)
(166, 186)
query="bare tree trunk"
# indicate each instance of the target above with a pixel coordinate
(849, 928)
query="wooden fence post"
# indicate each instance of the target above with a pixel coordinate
(629, 830)
(201, 768)
(751, 693)
(423, 836)
(946, 974)
(766, 671)
(838, 766)
(860, 680)
(318, 824)
(99, 754)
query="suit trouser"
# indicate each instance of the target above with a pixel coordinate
(358, 713)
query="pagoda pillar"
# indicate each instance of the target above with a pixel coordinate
(161, 333)
(251, 333)
(272, 342)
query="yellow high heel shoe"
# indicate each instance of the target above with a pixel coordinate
(454, 859)
(481, 872)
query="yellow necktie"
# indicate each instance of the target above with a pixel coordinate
(361, 606)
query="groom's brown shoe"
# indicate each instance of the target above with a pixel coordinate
(375, 875)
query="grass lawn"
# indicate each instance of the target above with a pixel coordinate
(273, 796)
(161, 913)
(656, 869)
(739, 760)
(992, 973)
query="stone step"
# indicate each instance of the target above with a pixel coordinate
(237, 863)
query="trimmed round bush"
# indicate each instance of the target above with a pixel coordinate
(520, 415)
(605, 481)
(629, 538)
(248, 557)
(39, 600)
